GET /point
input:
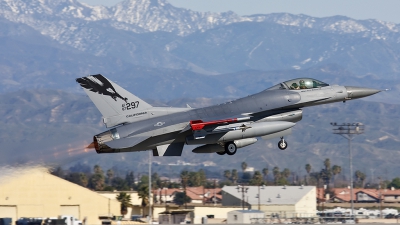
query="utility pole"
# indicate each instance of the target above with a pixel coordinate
(215, 194)
(258, 196)
(380, 199)
(150, 200)
(242, 189)
(348, 131)
(184, 179)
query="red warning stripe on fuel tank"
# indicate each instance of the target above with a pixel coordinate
(199, 124)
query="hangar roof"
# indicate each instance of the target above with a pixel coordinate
(270, 195)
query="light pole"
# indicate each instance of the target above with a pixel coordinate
(242, 189)
(348, 131)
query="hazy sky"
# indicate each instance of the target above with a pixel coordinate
(386, 10)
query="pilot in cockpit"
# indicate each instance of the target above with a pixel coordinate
(294, 86)
(302, 84)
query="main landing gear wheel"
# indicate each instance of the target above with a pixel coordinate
(221, 153)
(230, 148)
(282, 144)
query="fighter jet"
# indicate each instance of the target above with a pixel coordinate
(137, 126)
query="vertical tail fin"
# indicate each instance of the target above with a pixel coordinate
(110, 99)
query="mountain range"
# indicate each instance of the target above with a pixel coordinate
(172, 57)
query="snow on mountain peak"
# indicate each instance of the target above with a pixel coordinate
(62, 19)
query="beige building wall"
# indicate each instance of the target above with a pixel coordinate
(282, 210)
(136, 208)
(307, 206)
(36, 193)
(218, 212)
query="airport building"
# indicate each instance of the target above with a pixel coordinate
(282, 201)
(34, 192)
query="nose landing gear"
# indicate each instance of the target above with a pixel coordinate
(282, 144)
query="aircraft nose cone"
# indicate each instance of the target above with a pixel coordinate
(360, 92)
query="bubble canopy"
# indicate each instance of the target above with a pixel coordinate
(299, 83)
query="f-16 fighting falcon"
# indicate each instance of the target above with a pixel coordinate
(222, 129)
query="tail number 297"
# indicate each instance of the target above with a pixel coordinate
(130, 105)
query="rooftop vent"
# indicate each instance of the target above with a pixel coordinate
(278, 196)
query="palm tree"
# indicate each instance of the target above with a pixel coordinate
(235, 176)
(257, 178)
(125, 200)
(308, 169)
(276, 173)
(265, 173)
(202, 176)
(143, 194)
(286, 173)
(360, 176)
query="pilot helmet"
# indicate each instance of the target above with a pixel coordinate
(301, 82)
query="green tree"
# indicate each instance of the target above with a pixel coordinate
(184, 178)
(360, 177)
(110, 176)
(227, 174)
(97, 169)
(308, 170)
(155, 181)
(77, 178)
(257, 178)
(130, 180)
(277, 174)
(335, 171)
(202, 177)
(235, 176)
(125, 200)
(97, 180)
(181, 198)
(143, 194)
(194, 179)
(327, 164)
(286, 173)
(326, 174)
(316, 177)
(395, 183)
(265, 174)
(120, 184)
